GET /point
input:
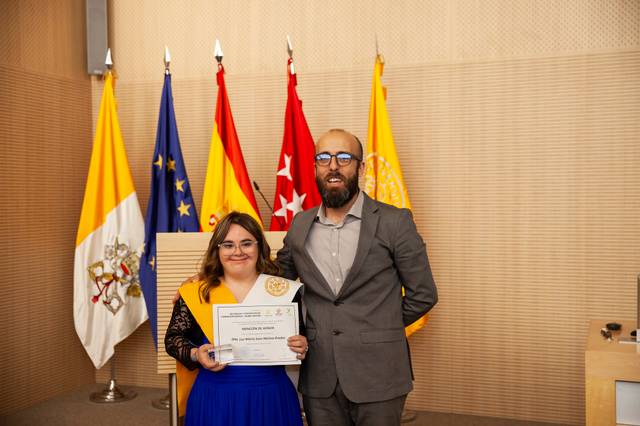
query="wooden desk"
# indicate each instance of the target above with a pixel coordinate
(606, 362)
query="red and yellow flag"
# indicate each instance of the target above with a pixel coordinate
(383, 179)
(227, 186)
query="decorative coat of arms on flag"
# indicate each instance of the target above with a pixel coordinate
(119, 268)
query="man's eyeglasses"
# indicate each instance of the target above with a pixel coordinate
(342, 158)
(244, 246)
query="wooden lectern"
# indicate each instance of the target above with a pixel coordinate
(605, 363)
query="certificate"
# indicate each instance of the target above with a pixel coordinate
(257, 333)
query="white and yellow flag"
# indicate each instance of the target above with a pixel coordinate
(383, 179)
(107, 302)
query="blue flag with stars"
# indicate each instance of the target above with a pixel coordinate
(171, 207)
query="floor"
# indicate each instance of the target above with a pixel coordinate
(75, 409)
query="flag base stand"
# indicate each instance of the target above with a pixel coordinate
(162, 403)
(112, 392)
(408, 416)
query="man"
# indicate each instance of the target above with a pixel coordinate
(354, 255)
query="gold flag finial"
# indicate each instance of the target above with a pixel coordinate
(378, 54)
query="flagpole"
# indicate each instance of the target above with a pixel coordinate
(408, 415)
(173, 408)
(292, 71)
(164, 403)
(112, 392)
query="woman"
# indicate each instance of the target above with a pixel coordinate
(238, 257)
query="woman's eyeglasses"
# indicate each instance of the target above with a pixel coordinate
(228, 247)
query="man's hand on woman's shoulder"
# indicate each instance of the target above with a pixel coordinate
(191, 279)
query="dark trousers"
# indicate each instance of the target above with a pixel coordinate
(338, 410)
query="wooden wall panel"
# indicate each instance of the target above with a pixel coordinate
(516, 127)
(44, 37)
(45, 129)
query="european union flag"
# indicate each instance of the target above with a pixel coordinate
(171, 207)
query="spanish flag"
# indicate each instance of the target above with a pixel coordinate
(383, 179)
(227, 186)
(107, 302)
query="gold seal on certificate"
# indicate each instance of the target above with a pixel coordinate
(276, 286)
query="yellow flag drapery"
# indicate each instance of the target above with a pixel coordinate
(107, 302)
(383, 179)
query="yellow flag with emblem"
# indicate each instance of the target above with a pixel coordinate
(383, 179)
(107, 300)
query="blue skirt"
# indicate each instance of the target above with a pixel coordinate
(243, 395)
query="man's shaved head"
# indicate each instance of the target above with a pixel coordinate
(357, 145)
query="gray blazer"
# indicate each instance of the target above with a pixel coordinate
(357, 337)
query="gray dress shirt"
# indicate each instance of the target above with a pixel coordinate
(332, 246)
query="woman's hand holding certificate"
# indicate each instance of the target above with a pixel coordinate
(206, 361)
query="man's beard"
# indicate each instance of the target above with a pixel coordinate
(337, 197)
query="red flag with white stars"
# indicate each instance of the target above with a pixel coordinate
(295, 181)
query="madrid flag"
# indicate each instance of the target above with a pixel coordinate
(227, 186)
(383, 179)
(107, 302)
(296, 188)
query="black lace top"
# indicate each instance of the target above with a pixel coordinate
(184, 333)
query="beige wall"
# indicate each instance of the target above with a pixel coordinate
(45, 134)
(516, 124)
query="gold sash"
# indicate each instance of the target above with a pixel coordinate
(203, 314)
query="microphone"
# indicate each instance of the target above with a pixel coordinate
(273, 213)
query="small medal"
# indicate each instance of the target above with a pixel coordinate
(276, 286)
